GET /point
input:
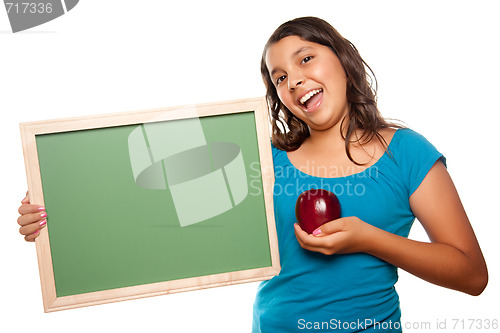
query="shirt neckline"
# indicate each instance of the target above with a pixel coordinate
(368, 169)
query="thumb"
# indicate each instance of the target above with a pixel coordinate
(26, 199)
(330, 228)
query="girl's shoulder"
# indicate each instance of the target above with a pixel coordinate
(407, 139)
(275, 151)
(279, 156)
(413, 156)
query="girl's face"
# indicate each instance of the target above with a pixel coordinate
(310, 81)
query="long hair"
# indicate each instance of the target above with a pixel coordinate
(289, 132)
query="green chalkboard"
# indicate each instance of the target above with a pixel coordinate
(107, 230)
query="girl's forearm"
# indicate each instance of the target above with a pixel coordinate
(438, 263)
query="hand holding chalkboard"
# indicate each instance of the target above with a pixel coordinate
(32, 219)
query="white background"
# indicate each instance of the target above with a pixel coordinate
(437, 65)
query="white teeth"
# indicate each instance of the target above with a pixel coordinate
(310, 94)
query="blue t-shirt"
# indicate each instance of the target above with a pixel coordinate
(346, 292)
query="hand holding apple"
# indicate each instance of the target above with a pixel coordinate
(343, 235)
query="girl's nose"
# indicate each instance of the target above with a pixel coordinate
(295, 81)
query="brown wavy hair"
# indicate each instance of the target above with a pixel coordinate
(288, 131)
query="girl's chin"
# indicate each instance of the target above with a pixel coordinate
(321, 124)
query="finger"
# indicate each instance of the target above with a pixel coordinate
(32, 237)
(307, 241)
(32, 228)
(299, 230)
(30, 209)
(302, 235)
(326, 245)
(330, 228)
(26, 199)
(31, 218)
(301, 238)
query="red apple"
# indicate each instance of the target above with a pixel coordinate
(315, 207)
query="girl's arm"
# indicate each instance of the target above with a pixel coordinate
(453, 259)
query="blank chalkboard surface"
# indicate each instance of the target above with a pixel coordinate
(152, 202)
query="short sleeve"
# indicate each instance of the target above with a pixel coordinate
(415, 156)
(275, 150)
(279, 160)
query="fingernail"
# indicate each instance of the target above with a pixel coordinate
(317, 232)
(43, 215)
(42, 223)
(36, 232)
(41, 209)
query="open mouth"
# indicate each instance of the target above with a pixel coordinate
(311, 98)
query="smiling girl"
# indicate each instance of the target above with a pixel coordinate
(328, 133)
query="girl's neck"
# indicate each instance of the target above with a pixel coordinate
(330, 140)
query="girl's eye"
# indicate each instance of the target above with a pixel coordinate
(280, 79)
(306, 59)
